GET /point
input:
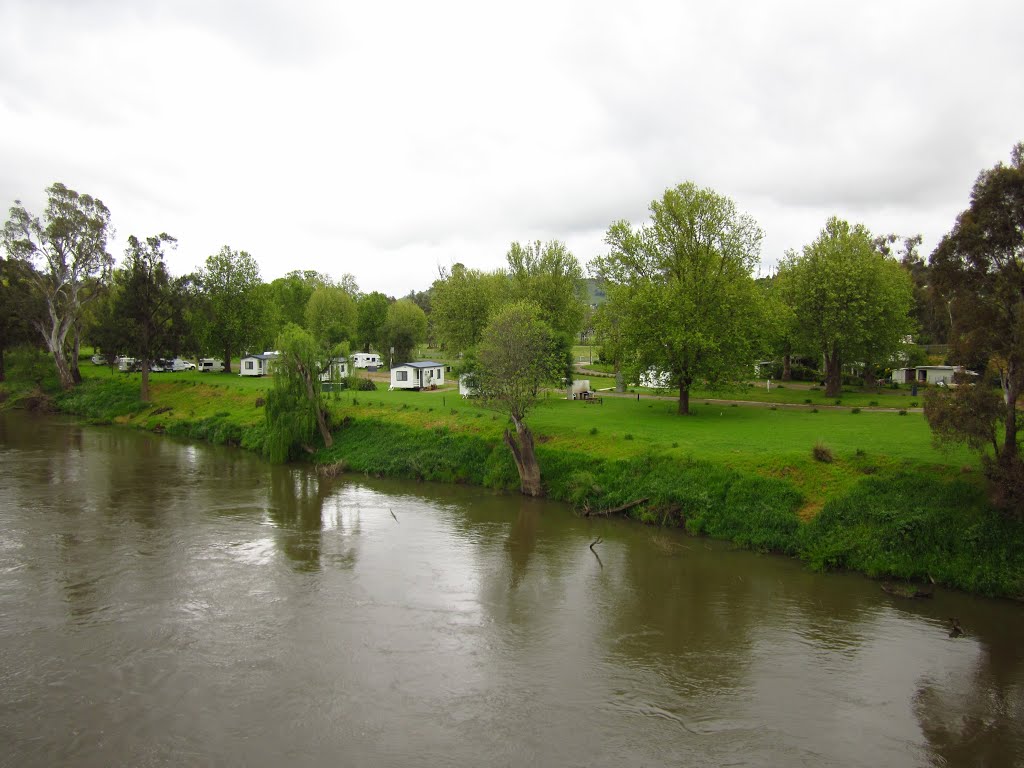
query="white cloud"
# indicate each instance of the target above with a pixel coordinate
(386, 139)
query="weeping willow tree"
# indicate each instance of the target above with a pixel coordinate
(295, 409)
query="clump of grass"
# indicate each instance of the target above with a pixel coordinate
(903, 412)
(839, 402)
(855, 410)
(807, 401)
(913, 403)
(861, 452)
(814, 410)
(822, 453)
(675, 445)
(628, 436)
(773, 408)
(734, 405)
(593, 430)
(873, 404)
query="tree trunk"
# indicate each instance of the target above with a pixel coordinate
(314, 401)
(227, 361)
(833, 374)
(1012, 392)
(60, 360)
(620, 381)
(684, 399)
(870, 382)
(787, 367)
(3, 367)
(144, 389)
(521, 445)
(76, 348)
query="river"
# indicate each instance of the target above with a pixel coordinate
(166, 603)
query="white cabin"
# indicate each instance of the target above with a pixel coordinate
(257, 365)
(466, 388)
(336, 370)
(938, 375)
(422, 375)
(366, 360)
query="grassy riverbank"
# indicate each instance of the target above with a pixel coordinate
(887, 503)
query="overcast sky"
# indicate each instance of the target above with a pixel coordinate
(387, 139)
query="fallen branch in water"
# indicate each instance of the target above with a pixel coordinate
(392, 513)
(598, 540)
(614, 510)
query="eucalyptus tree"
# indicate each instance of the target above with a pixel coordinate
(689, 305)
(851, 302)
(979, 268)
(69, 246)
(232, 314)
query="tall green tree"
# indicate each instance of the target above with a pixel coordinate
(690, 306)
(148, 308)
(20, 306)
(371, 316)
(233, 316)
(291, 293)
(405, 327)
(979, 268)
(295, 410)
(550, 276)
(517, 354)
(331, 316)
(851, 303)
(462, 302)
(69, 245)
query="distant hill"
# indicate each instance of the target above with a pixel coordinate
(594, 293)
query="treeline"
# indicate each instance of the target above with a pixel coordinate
(681, 300)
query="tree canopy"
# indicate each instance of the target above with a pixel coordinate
(405, 327)
(233, 315)
(687, 297)
(331, 316)
(851, 303)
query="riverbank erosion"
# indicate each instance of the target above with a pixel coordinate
(883, 514)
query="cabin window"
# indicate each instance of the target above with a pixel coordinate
(401, 375)
(248, 365)
(439, 373)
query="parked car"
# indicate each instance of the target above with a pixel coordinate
(211, 365)
(99, 359)
(180, 364)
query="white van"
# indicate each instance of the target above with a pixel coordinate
(210, 365)
(126, 364)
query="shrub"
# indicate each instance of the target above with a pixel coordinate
(903, 412)
(807, 401)
(822, 453)
(814, 410)
(628, 436)
(855, 410)
(873, 404)
(593, 430)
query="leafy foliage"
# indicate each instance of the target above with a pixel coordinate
(295, 410)
(232, 316)
(688, 302)
(849, 301)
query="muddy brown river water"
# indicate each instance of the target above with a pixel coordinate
(164, 603)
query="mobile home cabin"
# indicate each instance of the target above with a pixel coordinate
(936, 375)
(336, 370)
(365, 360)
(210, 365)
(257, 365)
(422, 375)
(467, 385)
